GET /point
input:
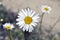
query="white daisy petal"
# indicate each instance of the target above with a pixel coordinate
(24, 28)
(22, 25)
(19, 19)
(33, 24)
(12, 26)
(35, 17)
(32, 14)
(21, 14)
(30, 28)
(27, 19)
(4, 26)
(24, 12)
(29, 12)
(17, 23)
(35, 20)
(50, 8)
(27, 27)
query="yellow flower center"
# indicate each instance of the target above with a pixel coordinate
(8, 27)
(46, 8)
(28, 20)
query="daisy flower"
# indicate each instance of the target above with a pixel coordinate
(45, 9)
(27, 19)
(8, 26)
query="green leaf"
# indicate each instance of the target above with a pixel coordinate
(54, 38)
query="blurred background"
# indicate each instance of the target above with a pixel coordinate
(51, 20)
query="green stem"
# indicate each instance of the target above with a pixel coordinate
(41, 25)
(10, 35)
